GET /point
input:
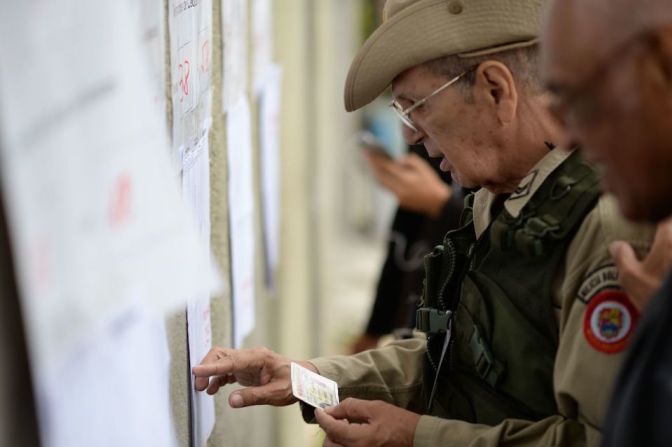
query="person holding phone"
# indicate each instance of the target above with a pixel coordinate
(429, 206)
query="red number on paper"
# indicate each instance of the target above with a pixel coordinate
(184, 70)
(120, 201)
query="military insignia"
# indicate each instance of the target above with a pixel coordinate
(609, 321)
(524, 187)
(603, 277)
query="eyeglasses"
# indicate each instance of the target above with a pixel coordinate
(405, 114)
(580, 105)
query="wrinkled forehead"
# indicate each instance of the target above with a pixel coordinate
(576, 37)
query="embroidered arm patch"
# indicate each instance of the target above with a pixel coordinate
(610, 318)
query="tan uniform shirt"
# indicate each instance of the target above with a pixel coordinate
(590, 346)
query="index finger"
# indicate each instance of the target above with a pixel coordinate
(217, 367)
(221, 361)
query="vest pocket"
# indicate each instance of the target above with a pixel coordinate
(499, 349)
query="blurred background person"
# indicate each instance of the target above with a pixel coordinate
(429, 206)
(614, 97)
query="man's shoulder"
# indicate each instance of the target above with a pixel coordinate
(605, 224)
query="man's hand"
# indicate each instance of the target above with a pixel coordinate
(266, 375)
(641, 279)
(366, 423)
(413, 181)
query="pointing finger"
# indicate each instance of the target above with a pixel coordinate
(222, 362)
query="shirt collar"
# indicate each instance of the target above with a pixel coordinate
(514, 204)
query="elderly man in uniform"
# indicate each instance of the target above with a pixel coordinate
(615, 98)
(525, 322)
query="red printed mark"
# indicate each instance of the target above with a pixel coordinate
(205, 56)
(184, 70)
(121, 200)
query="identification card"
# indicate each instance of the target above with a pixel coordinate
(312, 388)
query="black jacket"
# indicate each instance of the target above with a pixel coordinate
(640, 412)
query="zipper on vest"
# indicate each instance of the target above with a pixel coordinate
(446, 351)
(449, 251)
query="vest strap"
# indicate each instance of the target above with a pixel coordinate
(487, 367)
(432, 321)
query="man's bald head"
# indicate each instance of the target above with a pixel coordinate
(608, 64)
(589, 31)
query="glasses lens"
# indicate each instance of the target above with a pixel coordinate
(402, 116)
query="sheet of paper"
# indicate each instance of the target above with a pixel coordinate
(190, 26)
(234, 36)
(196, 191)
(262, 41)
(269, 140)
(312, 388)
(94, 206)
(114, 391)
(149, 14)
(241, 218)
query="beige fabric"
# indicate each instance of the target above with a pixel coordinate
(416, 31)
(523, 193)
(583, 376)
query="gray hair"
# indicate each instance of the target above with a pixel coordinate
(522, 62)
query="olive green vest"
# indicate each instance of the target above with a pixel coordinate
(493, 297)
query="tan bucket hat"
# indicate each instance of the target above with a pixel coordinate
(416, 31)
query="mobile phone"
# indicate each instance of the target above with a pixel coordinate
(368, 141)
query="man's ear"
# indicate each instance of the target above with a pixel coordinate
(495, 87)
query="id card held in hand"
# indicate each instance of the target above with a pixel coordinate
(312, 388)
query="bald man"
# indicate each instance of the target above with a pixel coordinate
(614, 97)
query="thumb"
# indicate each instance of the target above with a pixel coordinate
(273, 393)
(354, 410)
(337, 411)
(624, 256)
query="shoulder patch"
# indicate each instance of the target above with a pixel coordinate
(609, 321)
(604, 277)
(524, 187)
